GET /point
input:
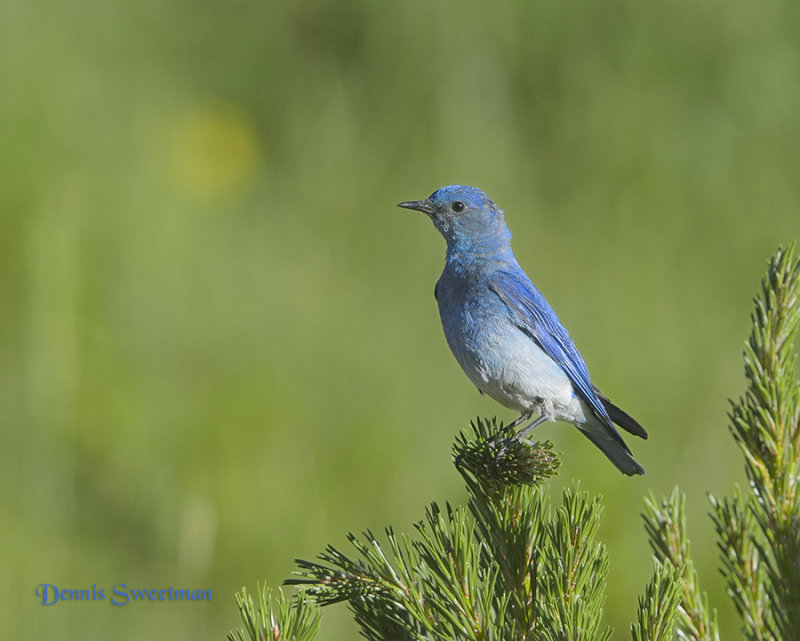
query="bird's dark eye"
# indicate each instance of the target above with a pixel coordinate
(457, 206)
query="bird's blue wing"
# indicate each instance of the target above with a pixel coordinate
(534, 316)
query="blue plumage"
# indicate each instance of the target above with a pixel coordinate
(504, 334)
(534, 316)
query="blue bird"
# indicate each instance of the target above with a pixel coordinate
(504, 334)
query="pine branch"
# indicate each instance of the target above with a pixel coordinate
(666, 526)
(436, 587)
(492, 460)
(572, 589)
(551, 567)
(742, 564)
(503, 477)
(295, 619)
(502, 569)
(760, 533)
(659, 608)
(385, 598)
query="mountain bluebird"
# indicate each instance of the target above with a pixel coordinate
(504, 334)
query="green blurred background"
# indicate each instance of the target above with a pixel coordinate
(219, 348)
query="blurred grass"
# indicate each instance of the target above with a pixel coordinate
(219, 348)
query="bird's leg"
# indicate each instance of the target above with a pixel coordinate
(528, 429)
(504, 442)
(546, 412)
(520, 436)
(522, 418)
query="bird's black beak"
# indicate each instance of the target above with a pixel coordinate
(424, 206)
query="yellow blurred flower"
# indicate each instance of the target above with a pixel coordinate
(214, 153)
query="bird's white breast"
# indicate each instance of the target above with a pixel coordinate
(498, 357)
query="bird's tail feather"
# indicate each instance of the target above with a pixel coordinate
(612, 446)
(620, 416)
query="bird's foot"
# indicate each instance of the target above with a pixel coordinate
(529, 428)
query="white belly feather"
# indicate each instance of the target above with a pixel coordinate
(509, 366)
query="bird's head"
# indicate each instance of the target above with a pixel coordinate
(465, 216)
